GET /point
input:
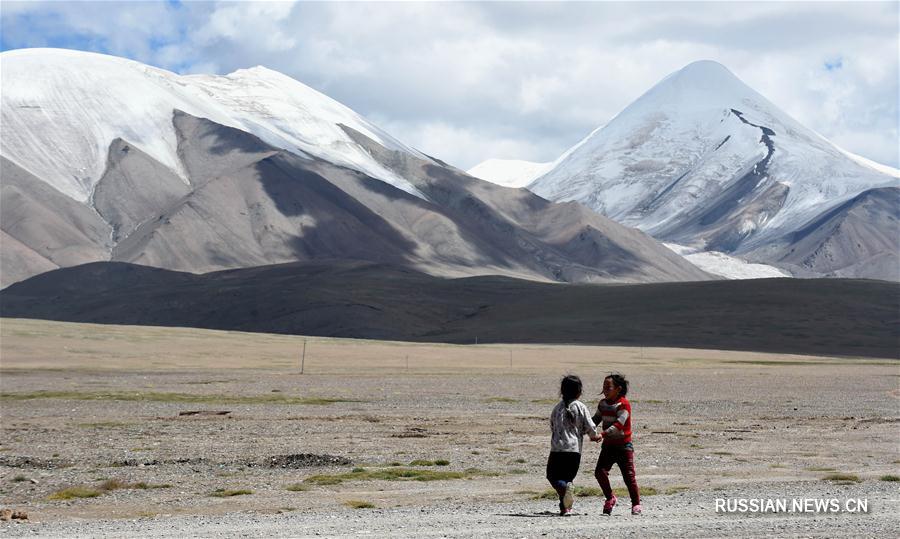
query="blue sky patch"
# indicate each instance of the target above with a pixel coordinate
(834, 64)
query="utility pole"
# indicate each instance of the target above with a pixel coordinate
(303, 357)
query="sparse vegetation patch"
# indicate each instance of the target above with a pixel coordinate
(227, 493)
(842, 477)
(170, 397)
(395, 474)
(104, 425)
(358, 504)
(422, 462)
(106, 485)
(74, 492)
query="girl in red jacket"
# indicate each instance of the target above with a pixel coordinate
(614, 413)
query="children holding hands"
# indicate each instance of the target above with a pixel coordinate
(570, 421)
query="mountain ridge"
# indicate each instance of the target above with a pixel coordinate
(234, 199)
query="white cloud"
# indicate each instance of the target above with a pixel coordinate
(470, 81)
(468, 145)
(262, 21)
(879, 148)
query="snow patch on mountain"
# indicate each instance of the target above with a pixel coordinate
(61, 109)
(729, 267)
(885, 169)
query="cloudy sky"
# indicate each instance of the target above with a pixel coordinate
(470, 81)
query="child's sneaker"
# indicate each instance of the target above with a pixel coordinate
(636, 509)
(608, 506)
(569, 497)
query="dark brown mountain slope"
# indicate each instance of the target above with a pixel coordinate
(379, 301)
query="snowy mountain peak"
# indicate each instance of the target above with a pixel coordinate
(703, 75)
(702, 87)
(702, 158)
(703, 70)
(61, 109)
(257, 69)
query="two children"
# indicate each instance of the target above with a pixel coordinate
(569, 422)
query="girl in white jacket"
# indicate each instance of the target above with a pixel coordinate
(570, 420)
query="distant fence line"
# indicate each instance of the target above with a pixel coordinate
(327, 356)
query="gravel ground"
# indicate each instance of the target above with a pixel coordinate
(664, 516)
(709, 424)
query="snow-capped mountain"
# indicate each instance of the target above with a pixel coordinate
(105, 159)
(509, 172)
(61, 109)
(703, 160)
(518, 173)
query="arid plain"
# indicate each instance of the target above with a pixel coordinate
(121, 431)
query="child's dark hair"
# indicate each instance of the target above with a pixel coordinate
(570, 388)
(620, 382)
